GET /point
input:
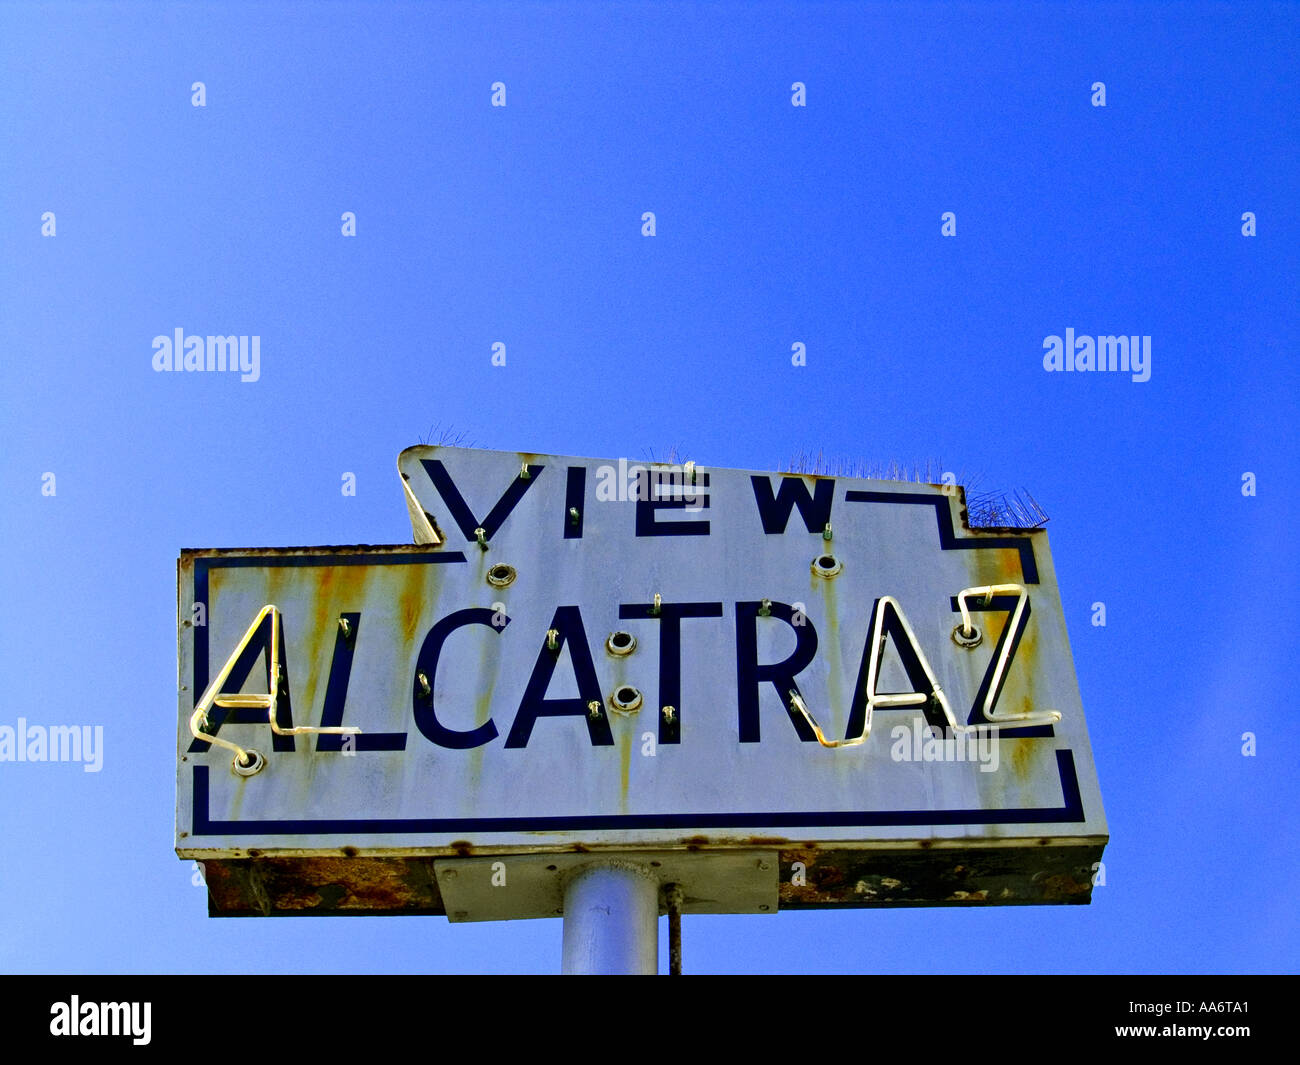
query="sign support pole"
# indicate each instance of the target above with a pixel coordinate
(611, 921)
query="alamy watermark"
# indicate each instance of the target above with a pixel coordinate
(659, 482)
(1128, 354)
(55, 743)
(925, 743)
(77, 1018)
(240, 354)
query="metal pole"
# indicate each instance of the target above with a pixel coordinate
(611, 921)
(673, 898)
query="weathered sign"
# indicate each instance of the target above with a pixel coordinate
(584, 656)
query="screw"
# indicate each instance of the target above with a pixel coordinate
(423, 682)
(763, 864)
(449, 874)
(523, 472)
(480, 534)
(593, 710)
(574, 516)
(658, 604)
(690, 471)
(669, 713)
(552, 639)
(765, 608)
(826, 532)
(345, 627)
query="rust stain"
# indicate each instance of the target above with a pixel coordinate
(837, 704)
(625, 737)
(411, 600)
(350, 884)
(1063, 886)
(1021, 755)
(489, 666)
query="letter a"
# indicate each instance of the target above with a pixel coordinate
(162, 353)
(1055, 357)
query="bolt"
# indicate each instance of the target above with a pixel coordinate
(593, 710)
(690, 471)
(574, 516)
(765, 608)
(669, 713)
(423, 682)
(552, 639)
(658, 604)
(764, 907)
(762, 864)
(345, 627)
(826, 532)
(449, 874)
(523, 472)
(480, 534)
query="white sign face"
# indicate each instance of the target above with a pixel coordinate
(576, 655)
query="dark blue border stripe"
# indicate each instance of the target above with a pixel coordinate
(200, 637)
(271, 561)
(948, 538)
(1071, 811)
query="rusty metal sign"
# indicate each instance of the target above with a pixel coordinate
(581, 655)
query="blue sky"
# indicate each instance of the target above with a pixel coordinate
(775, 225)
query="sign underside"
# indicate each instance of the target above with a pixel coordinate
(578, 657)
